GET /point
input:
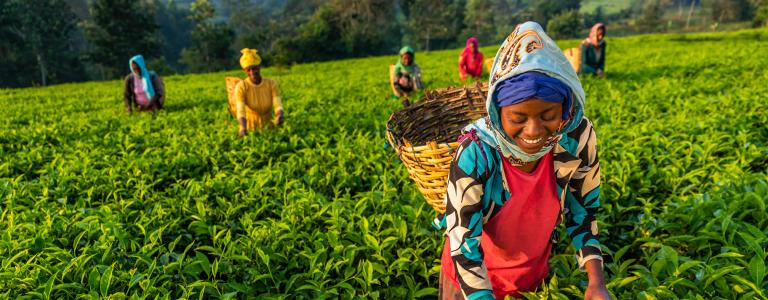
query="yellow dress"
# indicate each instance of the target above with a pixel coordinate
(258, 102)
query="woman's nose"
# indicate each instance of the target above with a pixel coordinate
(533, 129)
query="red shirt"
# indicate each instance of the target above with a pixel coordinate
(516, 242)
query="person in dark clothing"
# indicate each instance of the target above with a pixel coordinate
(593, 51)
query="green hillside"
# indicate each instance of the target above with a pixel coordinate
(609, 6)
(98, 203)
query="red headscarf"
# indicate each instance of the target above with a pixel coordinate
(471, 61)
(592, 39)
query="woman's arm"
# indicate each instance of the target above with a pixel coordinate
(128, 93)
(601, 62)
(157, 84)
(583, 204)
(596, 289)
(586, 67)
(277, 104)
(462, 68)
(464, 220)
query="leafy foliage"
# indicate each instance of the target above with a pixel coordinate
(37, 49)
(95, 203)
(565, 25)
(120, 29)
(213, 42)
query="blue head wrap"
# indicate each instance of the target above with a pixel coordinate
(145, 79)
(531, 84)
(524, 56)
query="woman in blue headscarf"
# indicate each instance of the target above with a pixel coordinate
(142, 88)
(528, 166)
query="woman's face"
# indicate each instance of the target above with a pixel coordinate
(254, 73)
(530, 123)
(136, 69)
(406, 59)
(600, 34)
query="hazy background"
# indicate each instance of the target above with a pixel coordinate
(46, 42)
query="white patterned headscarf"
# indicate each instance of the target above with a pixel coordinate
(527, 48)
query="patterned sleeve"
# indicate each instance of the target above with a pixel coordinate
(464, 219)
(583, 204)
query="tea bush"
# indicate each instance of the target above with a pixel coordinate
(96, 203)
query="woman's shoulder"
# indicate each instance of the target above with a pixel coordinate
(242, 84)
(269, 81)
(474, 154)
(585, 125)
(580, 138)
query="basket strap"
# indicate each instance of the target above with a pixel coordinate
(472, 135)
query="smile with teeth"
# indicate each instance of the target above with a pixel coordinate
(532, 142)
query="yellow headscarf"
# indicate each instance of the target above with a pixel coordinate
(249, 58)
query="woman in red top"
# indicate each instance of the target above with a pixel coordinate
(529, 165)
(471, 60)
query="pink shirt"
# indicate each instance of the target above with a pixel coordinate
(138, 90)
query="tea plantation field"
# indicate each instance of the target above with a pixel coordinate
(96, 203)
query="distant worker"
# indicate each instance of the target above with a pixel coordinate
(593, 51)
(142, 87)
(256, 97)
(471, 60)
(405, 76)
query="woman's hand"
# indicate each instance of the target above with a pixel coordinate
(243, 127)
(404, 82)
(279, 118)
(597, 292)
(596, 289)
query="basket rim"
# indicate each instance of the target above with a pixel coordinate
(429, 98)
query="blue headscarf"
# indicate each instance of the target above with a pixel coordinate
(528, 49)
(532, 84)
(148, 88)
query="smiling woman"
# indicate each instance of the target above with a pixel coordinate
(520, 171)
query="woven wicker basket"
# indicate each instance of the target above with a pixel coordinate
(574, 57)
(231, 84)
(424, 135)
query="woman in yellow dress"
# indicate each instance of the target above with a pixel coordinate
(256, 97)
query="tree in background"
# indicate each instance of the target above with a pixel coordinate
(367, 26)
(212, 41)
(478, 20)
(597, 16)
(650, 19)
(507, 14)
(433, 23)
(120, 29)
(342, 28)
(728, 10)
(175, 27)
(544, 10)
(761, 13)
(251, 22)
(565, 25)
(39, 47)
